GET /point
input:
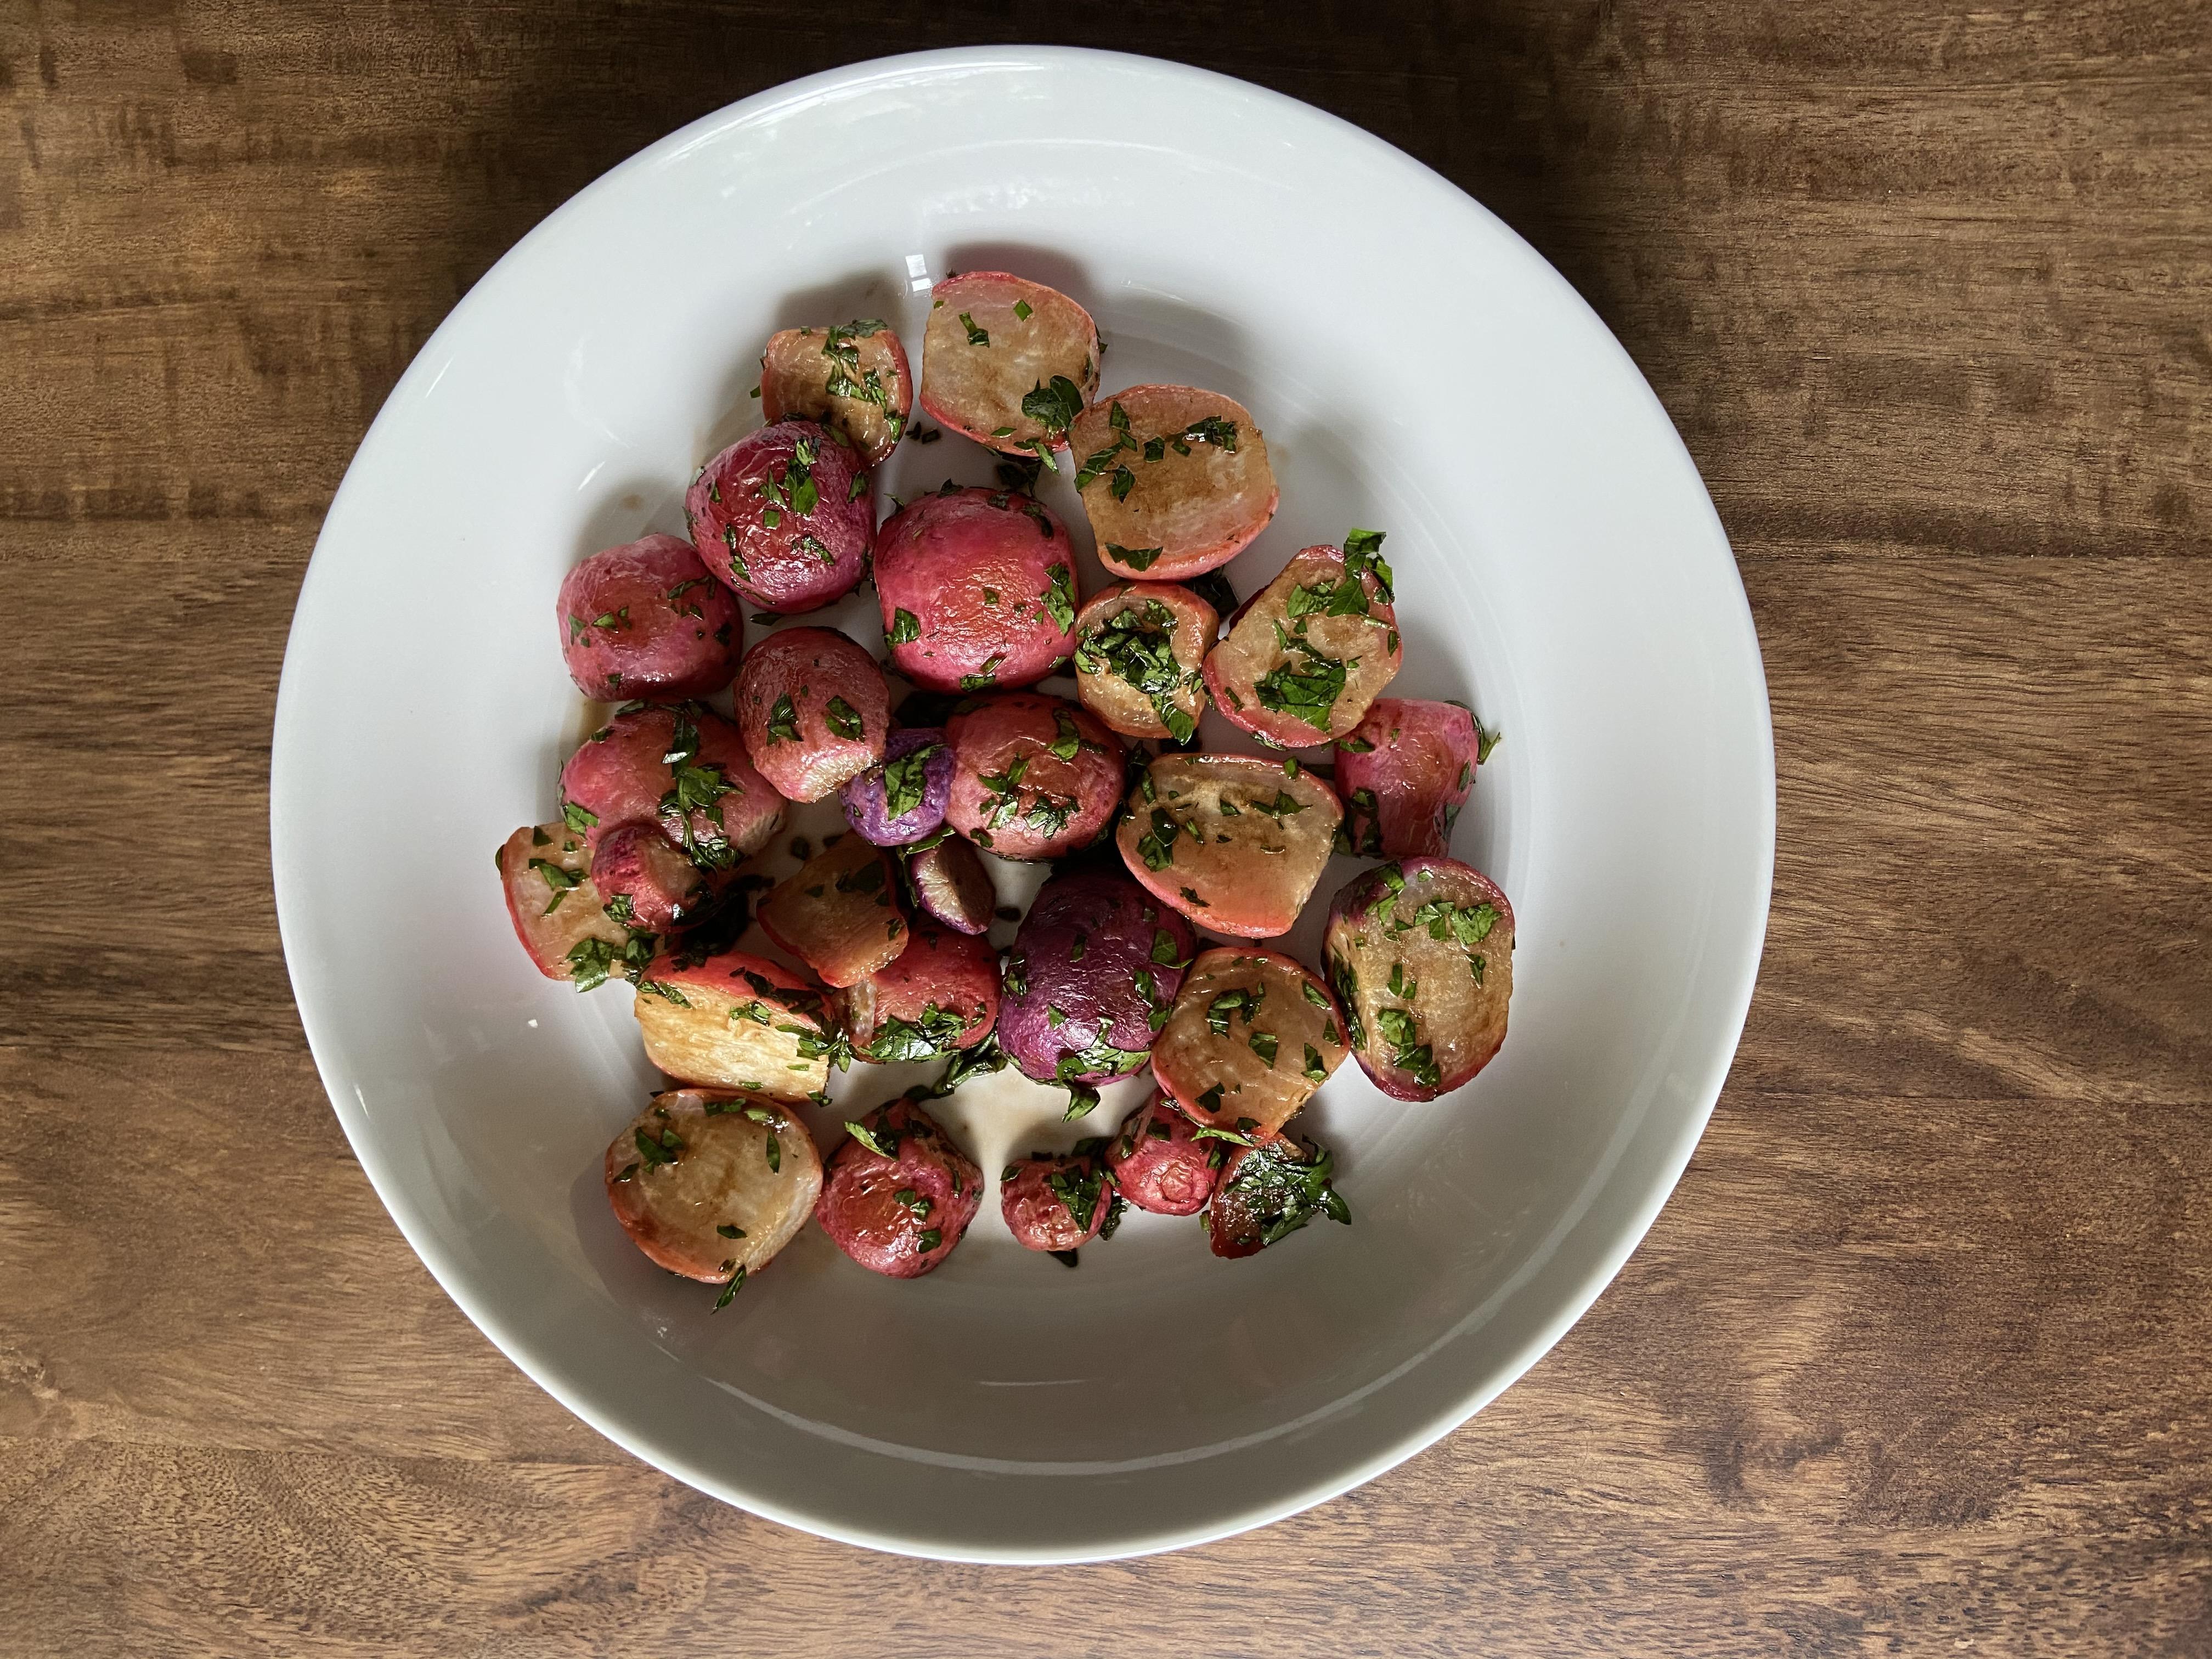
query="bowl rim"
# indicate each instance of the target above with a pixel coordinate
(288, 732)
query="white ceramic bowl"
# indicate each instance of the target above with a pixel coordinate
(1416, 368)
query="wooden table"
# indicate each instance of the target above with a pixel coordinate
(1915, 1359)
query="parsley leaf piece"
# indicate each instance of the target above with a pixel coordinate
(976, 336)
(906, 627)
(842, 718)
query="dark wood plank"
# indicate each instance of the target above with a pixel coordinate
(1913, 1360)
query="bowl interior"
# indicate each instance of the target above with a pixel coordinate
(1416, 369)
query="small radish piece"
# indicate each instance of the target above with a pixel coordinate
(1174, 481)
(784, 517)
(738, 1021)
(711, 1184)
(645, 880)
(814, 710)
(852, 377)
(900, 1192)
(952, 883)
(840, 914)
(558, 914)
(1055, 1202)
(1159, 1164)
(1406, 770)
(1234, 841)
(1007, 361)
(1252, 1036)
(1267, 1193)
(1092, 973)
(1302, 658)
(902, 800)
(1139, 652)
(1421, 952)
(645, 620)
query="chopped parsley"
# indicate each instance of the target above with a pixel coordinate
(976, 336)
(934, 1032)
(783, 721)
(842, 718)
(1053, 406)
(906, 780)
(906, 627)
(1059, 598)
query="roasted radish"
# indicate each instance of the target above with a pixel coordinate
(1174, 481)
(840, 914)
(813, 709)
(977, 589)
(1033, 776)
(1055, 1202)
(1233, 842)
(899, 1194)
(1302, 660)
(711, 1184)
(1406, 770)
(784, 517)
(1090, 977)
(853, 378)
(1139, 652)
(1252, 1036)
(902, 800)
(1007, 361)
(1421, 955)
(645, 620)
(559, 916)
(1267, 1193)
(738, 1021)
(682, 767)
(1159, 1164)
(939, 995)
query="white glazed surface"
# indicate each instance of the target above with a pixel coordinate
(1417, 370)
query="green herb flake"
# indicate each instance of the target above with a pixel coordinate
(842, 718)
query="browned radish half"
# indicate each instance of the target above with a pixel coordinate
(1233, 842)
(711, 1184)
(739, 1021)
(977, 589)
(900, 1192)
(1304, 657)
(940, 995)
(1252, 1036)
(1421, 955)
(1007, 361)
(1033, 776)
(1139, 650)
(1267, 1193)
(814, 710)
(1174, 481)
(1055, 1201)
(682, 766)
(1159, 1164)
(1406, 770)
(952, 883)
(852, 376)
(840, 914)
(558, 913)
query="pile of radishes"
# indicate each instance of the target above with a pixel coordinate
(644, 875)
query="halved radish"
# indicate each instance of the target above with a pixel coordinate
(900, 1193)
(941, 995)
(952, 883)
(1007, 361)
(711, 1184)
(852, 377)
(1303, 657)
(1138, 650)
(1174, 481)
(1421, 955)
(645, 620)
(1055, 1201)
(814, 709)
(1159, 1164)
(1406, 770)
(559, 916)
(784, 516)
(1252, 1036)
(1033, 776)
(680, 766)
(977, 589)
(1233, 842)
(1267, 1193)
(738, 1021)
(841, 913)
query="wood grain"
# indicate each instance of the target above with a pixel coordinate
(1914, 1360)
